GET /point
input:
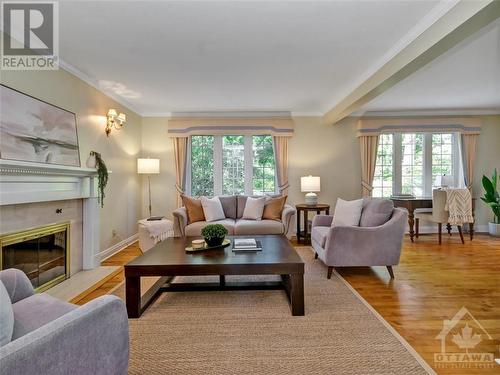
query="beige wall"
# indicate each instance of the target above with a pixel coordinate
(329, 151)
(488, 158)
(119, 151)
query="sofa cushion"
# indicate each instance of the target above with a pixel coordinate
(254, 208)
(229, 206)
(241, 203)
(194, 209)
(212, 209)
(274, 208)
(246, 227)
(347, 213)
(319, 235)
(36, 311)
(194, 229)
(6, 316)
(376, 211)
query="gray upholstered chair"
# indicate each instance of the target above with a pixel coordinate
(438, 215)
(376, 242)
(55, 337)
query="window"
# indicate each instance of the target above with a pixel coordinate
(202, 165)
(382, 182)
(408, 163)
(231, 164)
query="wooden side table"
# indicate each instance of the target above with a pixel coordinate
(305, 208)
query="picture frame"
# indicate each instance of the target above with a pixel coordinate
(33, 130)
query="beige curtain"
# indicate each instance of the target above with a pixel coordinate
(368, 146)
(281, 158)
(468, 146)
(180, 153)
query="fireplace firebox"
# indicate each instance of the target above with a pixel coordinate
(41, 253)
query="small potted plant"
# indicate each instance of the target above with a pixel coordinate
(214, 234)
(492, 199)
(95, 161)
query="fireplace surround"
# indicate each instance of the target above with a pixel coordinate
(42, 253)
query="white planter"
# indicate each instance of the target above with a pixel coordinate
(91, 161)
(494, 229)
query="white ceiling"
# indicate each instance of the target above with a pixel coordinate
(295, 56)
(464, 79)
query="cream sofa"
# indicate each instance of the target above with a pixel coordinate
(233, 207)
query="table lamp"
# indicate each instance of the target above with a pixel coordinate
(310, 185)
(148, 166)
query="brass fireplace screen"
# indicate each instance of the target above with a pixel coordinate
(41, 253)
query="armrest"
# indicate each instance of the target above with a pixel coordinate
(92, 339)
(180, 221)
(287, 219)
(367, 246)
(17, 284)
(322, 221)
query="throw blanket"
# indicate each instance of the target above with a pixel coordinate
(159, 230)
(459, 206)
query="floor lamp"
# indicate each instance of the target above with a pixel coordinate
(148, 166)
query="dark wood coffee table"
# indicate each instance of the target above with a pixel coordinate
(169, 259)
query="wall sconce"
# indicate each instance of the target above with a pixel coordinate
(114, 121)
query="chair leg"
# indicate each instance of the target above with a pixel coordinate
(448, 228)
(417, 227)
(440, 231)
(461, 234)
(315, 255)
(330, 270)
(391, 272)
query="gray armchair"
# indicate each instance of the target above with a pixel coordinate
(55, 337)
(376, 242)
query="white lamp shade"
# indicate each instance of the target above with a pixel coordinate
(148, 166)
(112, 113)
(444, 180)
(310, 184)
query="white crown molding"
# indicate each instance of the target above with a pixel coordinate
(157, 114)
(307, 114)
(93, 82)
(428, 20)
(232, 114)
(429, 112)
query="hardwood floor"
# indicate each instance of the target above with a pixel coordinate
(432, 283)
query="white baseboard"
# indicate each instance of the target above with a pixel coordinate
(110, 251)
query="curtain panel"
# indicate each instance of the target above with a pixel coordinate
(368, 146)
(180, 156)
(468, 144)
(281, 161)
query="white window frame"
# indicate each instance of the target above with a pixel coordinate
(248, 164)
(427, 163)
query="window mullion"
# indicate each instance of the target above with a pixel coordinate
(217, 165)
(188, 168)
(248, 164)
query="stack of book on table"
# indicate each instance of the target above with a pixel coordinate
(246, 244)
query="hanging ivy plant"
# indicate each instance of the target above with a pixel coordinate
(102, 176)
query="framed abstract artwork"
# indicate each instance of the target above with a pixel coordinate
(36, 131)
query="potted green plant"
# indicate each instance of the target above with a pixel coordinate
(214, 234)
(492, 199)
(95, 161)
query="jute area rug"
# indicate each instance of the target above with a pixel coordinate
(253, 332)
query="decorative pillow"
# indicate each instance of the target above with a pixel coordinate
(212, 209)
(6, 316)
(254, 208)
(241, 202)
(347, 213)
(376, 211)
(194, 209)
(274, 208)
(229, 206)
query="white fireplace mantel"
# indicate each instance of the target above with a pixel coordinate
(25, 182)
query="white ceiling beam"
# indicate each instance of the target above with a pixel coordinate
(460, 22)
